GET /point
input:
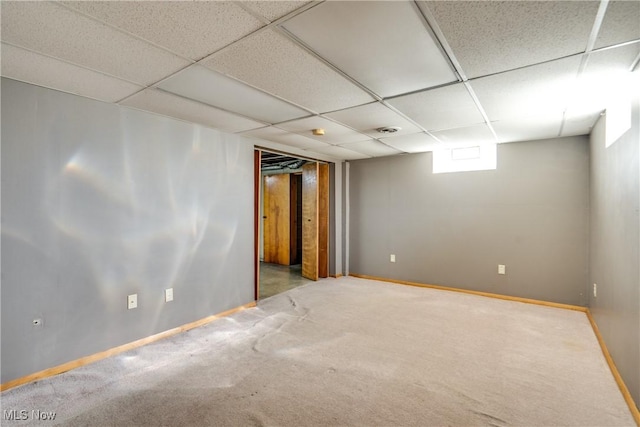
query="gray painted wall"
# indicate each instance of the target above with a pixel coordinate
(531, 214)
(615, 240)
(99, 202)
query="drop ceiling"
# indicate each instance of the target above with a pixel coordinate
(446, 73)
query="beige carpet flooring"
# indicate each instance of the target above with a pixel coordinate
(350, 352)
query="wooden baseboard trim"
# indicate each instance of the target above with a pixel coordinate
(337, 276)
(614, 370)
(37, 376)
(480, 293)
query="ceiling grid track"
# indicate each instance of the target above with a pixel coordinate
(413, 122)
(266, 26)
(440, 42)
(591, 42)
(313, 53)
(635, 63)
(593, 37)
(351, 67)
(476, 101)
(441, 39)
(72, 63)
(377, 98)
(235, 113)
(297, 12)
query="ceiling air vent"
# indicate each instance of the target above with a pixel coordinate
(389, 129)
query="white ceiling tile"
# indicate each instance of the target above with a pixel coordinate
(579, 124)
(272, 10)
(478, 134)
(415, 143)
(274, 134)
(59, 32)
(191, 29)
(160, 102)
(621, 23)
(442, 108)
(615, 60)
(600, 90)
(372, 148)
(368, 118)
(528, 128)
(201, 84)
(532, 91)
(334, 133)
(493, 36)
(384, 44)
(340, 153)
(603, 79)
(275, 64)
(26, 66)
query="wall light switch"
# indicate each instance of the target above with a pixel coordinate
(168, 295)
(595, 290)
(392, 258)
(132, 301)
(502, 269)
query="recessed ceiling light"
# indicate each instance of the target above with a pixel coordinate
(389, 129)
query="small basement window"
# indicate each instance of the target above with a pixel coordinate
(464, 159)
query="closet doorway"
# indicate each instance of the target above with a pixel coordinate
(292, 216)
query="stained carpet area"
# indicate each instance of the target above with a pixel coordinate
(351, 352)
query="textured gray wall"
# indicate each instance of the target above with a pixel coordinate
(615, 238)
(531, 214)
(99, 202)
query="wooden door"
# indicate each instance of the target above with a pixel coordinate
(315, 220)
(310, 221)
(277, 210)
(295, 253)
(323, 220)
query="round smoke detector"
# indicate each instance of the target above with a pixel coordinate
(389, 129)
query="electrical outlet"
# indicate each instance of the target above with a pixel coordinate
(392, 258)
(595, 290)
(502, 269)
(132, 301)
(168, 295)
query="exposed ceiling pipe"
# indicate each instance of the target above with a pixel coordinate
(290, 164)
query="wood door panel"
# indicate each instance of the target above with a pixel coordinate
(310, 221)
(277, 219)
(296, 239)
(323, 220)
(257, 156)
